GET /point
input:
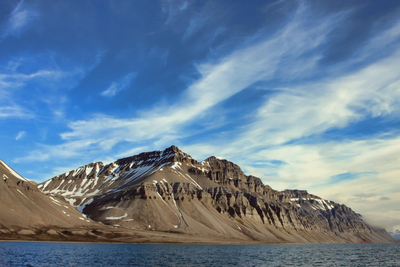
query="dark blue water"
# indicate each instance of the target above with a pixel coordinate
(86, 254)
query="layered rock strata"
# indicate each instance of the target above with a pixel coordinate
(170, 191)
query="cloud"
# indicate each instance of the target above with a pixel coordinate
(16, 79)
(196, 23)
(389, 223)
(20, 18)
(20, 135)
(14, 111)
(219, 81)
(12, 83)
(118, 86)
(314, 108)
(22, 74)
(311, 166)
(172, 8)
(291, 113)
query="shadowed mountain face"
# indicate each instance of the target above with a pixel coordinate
(170, 191)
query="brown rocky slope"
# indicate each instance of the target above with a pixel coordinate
(170, 192)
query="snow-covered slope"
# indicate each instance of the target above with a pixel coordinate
(170, 191)
(85, 183)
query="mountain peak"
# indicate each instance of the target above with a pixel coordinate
(172, 148)
(225, 168)
(170, 154)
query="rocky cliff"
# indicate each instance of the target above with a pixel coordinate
(170, 191)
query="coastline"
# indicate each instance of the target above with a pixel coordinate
(124, 236)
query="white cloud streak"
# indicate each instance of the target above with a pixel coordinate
(20, 135)
(118, 86)
(218, 82)
(172, 8)
(53, 81)
(20, 18)
(317, 107)
(14, 111)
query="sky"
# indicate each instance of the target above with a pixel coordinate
(303, 94)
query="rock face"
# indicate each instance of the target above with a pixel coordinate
(170, 191)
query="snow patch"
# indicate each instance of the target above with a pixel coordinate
(21, 193)
(117, 218)
(82, 207)
(56, 203)
(176, 165)
(206, 163)
(78, 171)
(202, 169)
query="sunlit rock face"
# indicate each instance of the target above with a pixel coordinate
(23, 206)
(170, 191)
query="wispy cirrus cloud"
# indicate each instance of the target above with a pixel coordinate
(20, 135)
(172, 8)
(12, 83)
(14, 111)
(20, 18)
(21, 74)
(314, 108)
(292, 113)
(219, 81)
(118, 86)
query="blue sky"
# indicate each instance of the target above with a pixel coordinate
(303, 94)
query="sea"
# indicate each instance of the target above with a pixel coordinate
(95, 254)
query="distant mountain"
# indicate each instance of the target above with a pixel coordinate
(170, 191)
(395, 234)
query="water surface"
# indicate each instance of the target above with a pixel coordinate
(89, 254)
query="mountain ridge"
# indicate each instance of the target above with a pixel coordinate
(168, 190)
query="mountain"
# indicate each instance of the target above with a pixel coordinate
(28, 214)
(169, 191)
(395, 234)
(25, 210)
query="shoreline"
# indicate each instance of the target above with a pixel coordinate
(185, 240)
